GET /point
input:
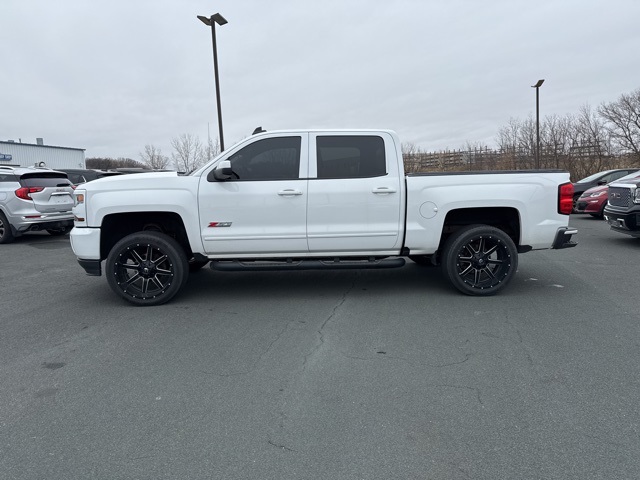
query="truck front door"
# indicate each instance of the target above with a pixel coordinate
(262, 208)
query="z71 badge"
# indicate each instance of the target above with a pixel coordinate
(219, 224)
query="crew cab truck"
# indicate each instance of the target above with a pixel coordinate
(622, 212)
(314, 200)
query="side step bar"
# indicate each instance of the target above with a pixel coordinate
(312, 264)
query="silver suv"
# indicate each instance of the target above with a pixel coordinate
(34, 199)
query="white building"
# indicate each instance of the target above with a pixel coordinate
(39, 154)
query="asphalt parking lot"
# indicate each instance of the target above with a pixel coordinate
(324, 375)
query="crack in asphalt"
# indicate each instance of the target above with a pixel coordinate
(320, 330)
(283, 447)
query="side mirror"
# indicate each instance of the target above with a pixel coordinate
(602, 182)
(223, 171)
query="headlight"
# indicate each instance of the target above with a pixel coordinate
(598, 194)
(635, 194)
(79, 208)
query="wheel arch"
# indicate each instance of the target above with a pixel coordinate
(118, 225)
(506, 219)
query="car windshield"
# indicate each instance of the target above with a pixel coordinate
(590, 178)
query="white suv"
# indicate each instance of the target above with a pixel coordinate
(34, 199)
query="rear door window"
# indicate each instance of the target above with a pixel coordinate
(350, 156)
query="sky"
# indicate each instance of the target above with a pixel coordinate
(112, 76)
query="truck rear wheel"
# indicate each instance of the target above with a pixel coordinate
(479, 260)
(147, 268)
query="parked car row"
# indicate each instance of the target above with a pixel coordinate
(79, 176)
(593, 200)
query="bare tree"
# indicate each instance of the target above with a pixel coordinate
(622, 119)
(188, 152)
(213, 149)
(153, 158)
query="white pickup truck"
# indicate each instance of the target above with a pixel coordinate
(313, 200)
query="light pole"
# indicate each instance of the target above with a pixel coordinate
(537, 87)
(211, 22)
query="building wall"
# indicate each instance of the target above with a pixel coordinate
(28, 155)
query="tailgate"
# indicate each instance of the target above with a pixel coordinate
(50, 191)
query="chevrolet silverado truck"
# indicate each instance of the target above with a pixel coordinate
(291, 200)
(623, 206)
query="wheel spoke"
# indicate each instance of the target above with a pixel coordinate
(159, 260)
(489, 273)
(128, 266)
(466, 270)
(133, 279)
(157, 281)
(476, 277)
(137, 257)
(491, 250)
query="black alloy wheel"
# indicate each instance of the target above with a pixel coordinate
(6, 235)
(480, 260)
(147, 268)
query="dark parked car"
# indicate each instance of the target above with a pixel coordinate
(600, 178)
(78, 175)
(594, 200)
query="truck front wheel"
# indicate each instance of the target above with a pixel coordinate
(147, 268)
(479, 260)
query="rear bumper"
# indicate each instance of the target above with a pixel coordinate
(38, 225)
(563, 238)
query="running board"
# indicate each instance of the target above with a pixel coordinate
(256, 265)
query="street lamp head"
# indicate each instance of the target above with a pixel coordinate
(539, 84)
(216, 17)
(204, 20)
(219, 19)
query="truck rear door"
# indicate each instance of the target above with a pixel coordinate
(355, 193)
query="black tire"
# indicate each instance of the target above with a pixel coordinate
(575, 203)
(422, 260)
(6, 235)
(479, 260)
(60, 232)
(147, 268)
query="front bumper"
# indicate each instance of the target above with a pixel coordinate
(627, 222)
(563, 238)
(92, 267)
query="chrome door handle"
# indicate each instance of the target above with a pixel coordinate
(289, 192)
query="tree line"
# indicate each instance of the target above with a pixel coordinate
(189, 153)
(591, 140)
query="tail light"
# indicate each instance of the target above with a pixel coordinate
(25, 192)
(565, 198)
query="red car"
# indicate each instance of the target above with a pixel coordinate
(593, 200)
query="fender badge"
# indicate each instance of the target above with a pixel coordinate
(219, 224)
